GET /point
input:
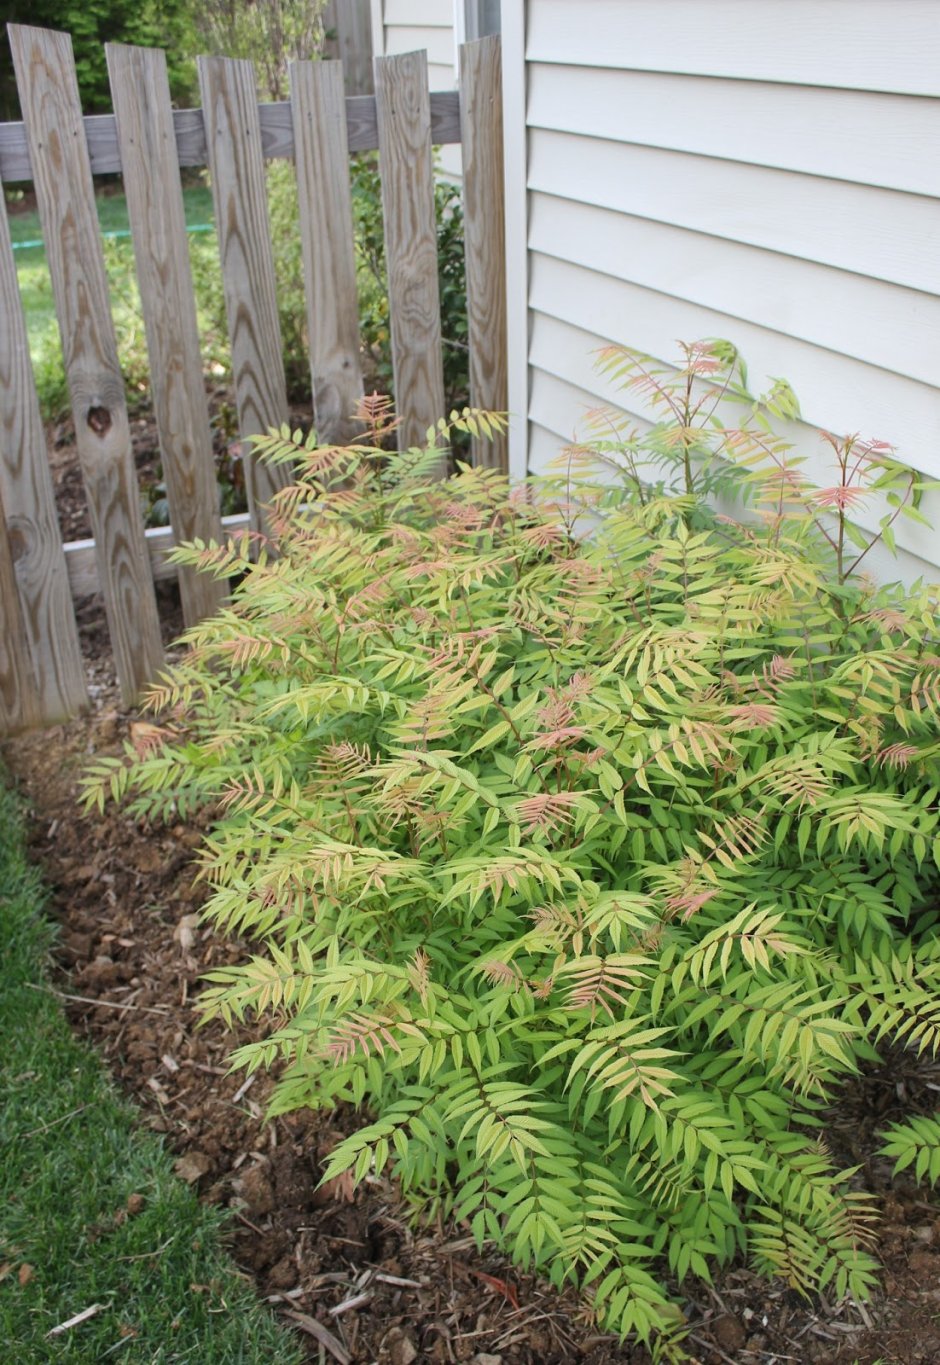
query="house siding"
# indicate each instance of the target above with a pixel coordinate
(769, 174)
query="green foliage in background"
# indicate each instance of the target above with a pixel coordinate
(589, 839)
(71, 1157)
(92, 23)
(371, 280)
(270, 33)
(39, 308)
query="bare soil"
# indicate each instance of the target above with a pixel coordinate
(349, 1269)
(71, 505)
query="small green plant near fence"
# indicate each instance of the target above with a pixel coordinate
(589, 838)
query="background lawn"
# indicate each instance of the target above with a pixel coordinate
(112, 215)
(36, 288)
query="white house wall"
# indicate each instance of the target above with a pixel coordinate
(769, 173)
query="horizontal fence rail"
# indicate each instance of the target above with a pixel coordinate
(41, 670)
(189, 130)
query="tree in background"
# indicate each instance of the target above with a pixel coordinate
(92, 23)
(271, 33)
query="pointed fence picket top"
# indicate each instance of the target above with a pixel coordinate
(404, 118)
(140, 90)
(44, 609)
(41, 671)
(236, 162)
(48, 91)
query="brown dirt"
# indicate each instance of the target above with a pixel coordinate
(71, 504)
(129, 958)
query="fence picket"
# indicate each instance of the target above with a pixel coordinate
(48, 89)
(19, 703)
(236, 161)
(403, 111)
(26, 491)
(326, 233)
(141, 95)
(481, 123)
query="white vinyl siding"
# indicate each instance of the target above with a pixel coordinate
(883, 45)
(769, 173)
(868, 140)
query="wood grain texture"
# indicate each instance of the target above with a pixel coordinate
(326, 228)
(481, 120)
(277, 138)
(19, 701)
(33, 536)
(437, 42)
(141, 94)
(236, 161)
(401, 96)
(48, 90)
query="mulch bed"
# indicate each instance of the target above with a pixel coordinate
(348, 1269)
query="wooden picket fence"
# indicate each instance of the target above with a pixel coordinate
(42, 678)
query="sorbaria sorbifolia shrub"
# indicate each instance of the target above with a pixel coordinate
(588, 837)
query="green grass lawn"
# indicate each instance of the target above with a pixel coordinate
(36, 289)
(112, 215)
(71, 1156)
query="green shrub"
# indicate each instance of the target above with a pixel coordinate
(91, 24)
(589, 837)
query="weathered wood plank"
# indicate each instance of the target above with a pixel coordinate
(326, 229)
(401, 96)
(141, 95)
(19, 702)
(48, 90)
(277, 138)
(481, 120)
(33, 530)
(239, 191)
